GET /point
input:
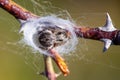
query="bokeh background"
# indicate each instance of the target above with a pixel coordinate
(87, 62)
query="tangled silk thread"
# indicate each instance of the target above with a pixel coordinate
(32, 27)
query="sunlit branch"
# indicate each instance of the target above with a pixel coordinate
(108, 33)
(16, 10)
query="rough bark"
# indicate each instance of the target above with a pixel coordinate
(16, 10)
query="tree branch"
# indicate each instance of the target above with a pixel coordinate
(108, 33)
(16, 10)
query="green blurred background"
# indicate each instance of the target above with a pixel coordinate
(87, 62)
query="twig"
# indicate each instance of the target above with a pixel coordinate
(49, 70)
(108, 33)
(16, 10)
(59, 61)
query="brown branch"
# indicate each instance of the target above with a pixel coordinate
(109, 38)
(16, 10)
(108, 33)
(97, 34)
(86, 32)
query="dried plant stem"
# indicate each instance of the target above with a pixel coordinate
(59, 61)
(49, 71)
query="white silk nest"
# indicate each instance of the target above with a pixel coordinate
(32, 26)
